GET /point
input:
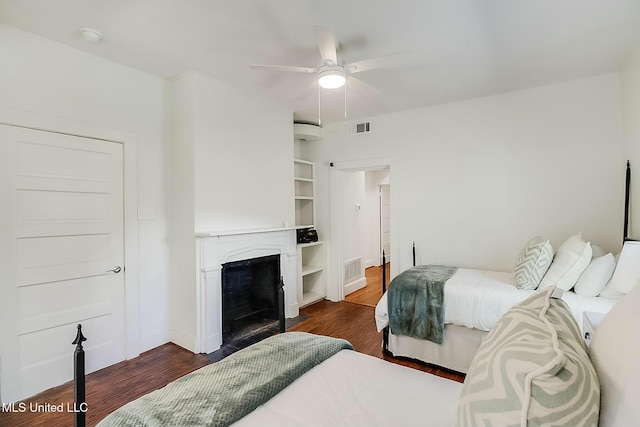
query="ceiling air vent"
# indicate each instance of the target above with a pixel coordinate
(363, 127)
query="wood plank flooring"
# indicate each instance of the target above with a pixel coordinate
(370, 294)
(356, 324)
(112, 387)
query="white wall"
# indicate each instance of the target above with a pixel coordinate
(243, 159)
(474, 180)
(630, 89)
(353, 214)
(231, 168)
(44, 77)
(181, 136)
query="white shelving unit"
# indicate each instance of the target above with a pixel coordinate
(312, 278)
(304, 193)
(312, 285)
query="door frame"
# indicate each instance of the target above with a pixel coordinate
(37, 121)
(335, 283)
(381, 225)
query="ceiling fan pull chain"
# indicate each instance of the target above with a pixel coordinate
(345, 101)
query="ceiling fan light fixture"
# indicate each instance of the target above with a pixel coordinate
(331, 77)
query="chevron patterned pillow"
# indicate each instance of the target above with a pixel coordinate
(532, 369)
(532, 263)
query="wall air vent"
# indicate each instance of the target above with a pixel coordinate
(362, 127)
(352, 270)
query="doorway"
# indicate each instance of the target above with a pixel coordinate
(365, 218)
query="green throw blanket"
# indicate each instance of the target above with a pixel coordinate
(415, 302)
(223, 392)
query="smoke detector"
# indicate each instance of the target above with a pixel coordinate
(91, 35)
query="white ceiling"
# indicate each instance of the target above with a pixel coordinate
(460, 49)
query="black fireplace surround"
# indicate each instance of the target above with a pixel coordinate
(252, 294)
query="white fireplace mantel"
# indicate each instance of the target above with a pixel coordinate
(217, 248)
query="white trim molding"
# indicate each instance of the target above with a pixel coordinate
(215, 250)
(31, 120)
(335, 283)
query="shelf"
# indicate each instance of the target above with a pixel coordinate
(302, 169)
(311, 275)
(304, 188)
(310, 269)
(306, 245)
(304, 211)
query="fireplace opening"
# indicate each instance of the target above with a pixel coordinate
(252, 297)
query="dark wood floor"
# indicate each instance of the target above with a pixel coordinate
(370, 294)
(112, 387)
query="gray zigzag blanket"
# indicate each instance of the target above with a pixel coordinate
(223, 392)
(415, 302)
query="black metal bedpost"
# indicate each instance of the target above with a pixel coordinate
(281, 305)
(626, 202)
(384, 273)
(385, 331)
(79, 398)
(414, 253)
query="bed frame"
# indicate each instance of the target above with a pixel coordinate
(79, 398)
(447, 353)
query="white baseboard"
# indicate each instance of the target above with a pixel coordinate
(154, 340)
(370, 263)
(183, 340)
(355, 285)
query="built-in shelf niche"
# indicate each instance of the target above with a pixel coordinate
(312, 277)
(304, 193)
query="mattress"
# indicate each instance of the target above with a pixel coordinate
(355, 389)
(478, 298)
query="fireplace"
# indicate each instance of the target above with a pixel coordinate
(252, 296)
(217, 249)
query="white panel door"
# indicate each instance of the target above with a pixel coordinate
(385, 223)
(62, 234)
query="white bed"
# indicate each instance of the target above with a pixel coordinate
(371, 392)
(474, 300)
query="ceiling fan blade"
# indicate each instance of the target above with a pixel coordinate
(379, 62)
(284, 68)
(326, 43)
(362, 88)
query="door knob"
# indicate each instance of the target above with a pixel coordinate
(115, 269)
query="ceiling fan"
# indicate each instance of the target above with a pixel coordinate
(333, 74)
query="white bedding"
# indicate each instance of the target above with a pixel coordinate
(354, 389)
(477, 299)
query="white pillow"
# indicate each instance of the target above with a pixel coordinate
(596, 276)
(597, 251)
(615, 352)
(570, 261)
(608, 292)
(532, 263)
(627, 270)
